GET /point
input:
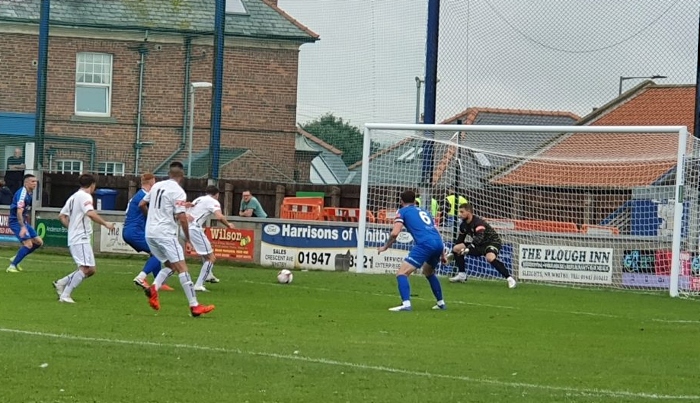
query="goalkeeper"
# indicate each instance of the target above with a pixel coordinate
(484, 242)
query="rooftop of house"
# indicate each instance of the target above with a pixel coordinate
(261, 19)
(200, 161)
(328, 166)
(614, 159)
(401, 163)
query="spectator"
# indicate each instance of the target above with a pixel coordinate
(5, 194)
(14, 174)
(250, 206)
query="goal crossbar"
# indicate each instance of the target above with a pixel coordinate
(533, 129)
(427, 129)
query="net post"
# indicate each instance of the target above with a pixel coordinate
(678, 213)
(364, 192)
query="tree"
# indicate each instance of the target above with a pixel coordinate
(341, 135)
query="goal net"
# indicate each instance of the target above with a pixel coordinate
(599, 206)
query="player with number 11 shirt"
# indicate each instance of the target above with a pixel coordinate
(163, 205)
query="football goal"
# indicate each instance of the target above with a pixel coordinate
(600, 206)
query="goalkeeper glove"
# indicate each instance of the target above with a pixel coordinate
(468, 247)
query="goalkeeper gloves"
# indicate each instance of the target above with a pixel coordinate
(468, 247)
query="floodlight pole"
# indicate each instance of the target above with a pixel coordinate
(431, 66)
(42, 67)
(218, 80)
(193, 87)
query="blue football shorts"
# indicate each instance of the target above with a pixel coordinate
(31, 233)
(429, 253)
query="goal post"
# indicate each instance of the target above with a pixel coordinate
(601, 206)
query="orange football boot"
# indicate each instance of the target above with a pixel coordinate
(152, 295)
(201, 309)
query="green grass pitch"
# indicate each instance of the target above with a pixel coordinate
(328, 337)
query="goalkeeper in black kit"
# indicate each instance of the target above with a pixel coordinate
(484, 242)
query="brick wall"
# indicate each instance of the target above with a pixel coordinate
(258, 108)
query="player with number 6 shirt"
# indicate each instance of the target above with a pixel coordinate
(427, 252)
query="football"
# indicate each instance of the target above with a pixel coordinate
(285, 276)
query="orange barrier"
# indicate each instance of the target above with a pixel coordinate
(501, 223)
(303, 200)
(345, 214)
(546, 226)
(302, 208)
(599, 230)
(386, 216)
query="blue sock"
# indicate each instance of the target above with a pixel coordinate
(435, 286)
(22, 253)
(404, 288)
(152, 266)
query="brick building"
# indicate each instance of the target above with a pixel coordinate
(101, 53)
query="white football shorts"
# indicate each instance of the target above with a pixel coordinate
(200, 242)
(82, 254)
(166, 249)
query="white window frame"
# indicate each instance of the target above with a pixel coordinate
(62, 163)
(115, 171)
(107, 85)
(236, 7)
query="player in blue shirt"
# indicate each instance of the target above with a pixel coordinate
(427, 251)
(134, 233)
(20, 209)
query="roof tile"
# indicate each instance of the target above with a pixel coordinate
(613, 160)
(264, 19)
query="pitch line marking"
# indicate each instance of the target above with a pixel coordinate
(367, 367)
(459, 302)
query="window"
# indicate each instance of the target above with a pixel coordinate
(235, 7)
(112, 168)
(482, 160)
(69, 166)
(410, 155)
(321, 173)
(93, 84)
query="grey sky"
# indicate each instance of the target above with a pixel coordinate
(535, 54)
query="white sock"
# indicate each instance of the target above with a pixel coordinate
(163, 275)
(142, 276)
(75, 279)
(407, 304)
(204, 273)
(186, 282)
(64, 281)
(441, 302)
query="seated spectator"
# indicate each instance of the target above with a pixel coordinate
(250, 206)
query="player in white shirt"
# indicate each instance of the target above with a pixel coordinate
(203, 208)
(76, 216)
(165, 207)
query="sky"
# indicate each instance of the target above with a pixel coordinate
(526, 54)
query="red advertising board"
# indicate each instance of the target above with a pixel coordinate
(234, 244)
(6, 233)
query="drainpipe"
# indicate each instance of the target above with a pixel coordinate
(143, 51)
(185, 108)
